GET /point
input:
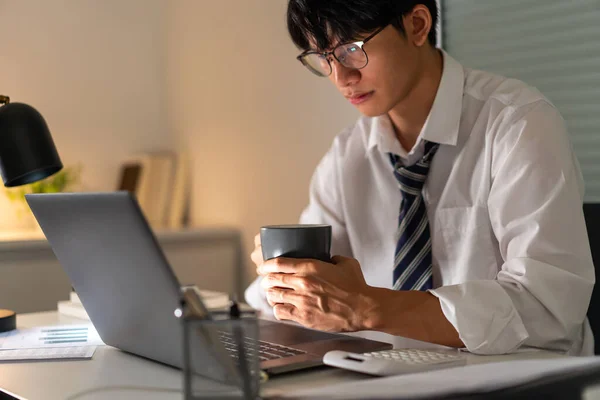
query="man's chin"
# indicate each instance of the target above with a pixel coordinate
(371, 110)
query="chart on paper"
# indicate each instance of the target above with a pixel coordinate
(51, 336)
(50, 353)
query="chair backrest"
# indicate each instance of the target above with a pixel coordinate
(591, 211)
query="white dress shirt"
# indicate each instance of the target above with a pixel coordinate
(511, 260)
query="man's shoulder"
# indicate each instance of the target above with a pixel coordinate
(506, 107)
(511, 93)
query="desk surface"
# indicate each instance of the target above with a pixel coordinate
(112, 368)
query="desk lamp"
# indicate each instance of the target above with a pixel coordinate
(27, 154)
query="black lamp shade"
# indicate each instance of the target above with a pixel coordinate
(27, 151)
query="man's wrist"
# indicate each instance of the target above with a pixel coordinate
(371, 318)
(411, 314)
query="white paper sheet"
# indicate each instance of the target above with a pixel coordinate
(453, 381)
(50, 336)
(52, 353)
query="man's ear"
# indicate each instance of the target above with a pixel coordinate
(418, 23)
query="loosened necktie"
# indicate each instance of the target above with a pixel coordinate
(412, 261)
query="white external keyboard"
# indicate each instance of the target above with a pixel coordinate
(395, 362)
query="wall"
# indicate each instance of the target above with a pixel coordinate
(94, 69)
(218, 79)
(254, 120)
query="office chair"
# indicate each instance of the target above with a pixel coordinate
(591, 211)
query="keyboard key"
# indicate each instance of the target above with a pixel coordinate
(266, 351)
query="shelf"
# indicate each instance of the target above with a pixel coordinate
(35, 239)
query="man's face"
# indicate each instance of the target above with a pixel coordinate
(387, 79)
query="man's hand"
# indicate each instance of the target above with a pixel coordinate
(256, 256)
(329, 297)
(336, 298)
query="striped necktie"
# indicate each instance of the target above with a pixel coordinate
(412, 258)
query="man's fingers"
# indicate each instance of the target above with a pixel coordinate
(271, 303)
(272, 298)
(257, 257)
(278, 295)
(284, 312)
(284, 265)
(282, 280)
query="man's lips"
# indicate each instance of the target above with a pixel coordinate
(358, 98)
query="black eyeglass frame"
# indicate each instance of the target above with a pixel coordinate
(326, 54)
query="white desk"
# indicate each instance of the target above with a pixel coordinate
(111, 368)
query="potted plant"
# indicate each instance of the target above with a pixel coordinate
(62, 181)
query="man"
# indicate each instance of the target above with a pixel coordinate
(455, 201)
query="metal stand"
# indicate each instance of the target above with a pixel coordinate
(222, 349)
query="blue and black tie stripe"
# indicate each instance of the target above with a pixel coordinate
(412, 258)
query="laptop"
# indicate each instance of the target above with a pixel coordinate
(130, 292)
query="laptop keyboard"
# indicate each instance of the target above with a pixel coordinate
(267, 351)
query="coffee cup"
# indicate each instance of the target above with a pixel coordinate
(296, 241)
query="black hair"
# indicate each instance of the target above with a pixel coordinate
(330, 21)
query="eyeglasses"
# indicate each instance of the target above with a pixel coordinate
(350, 55)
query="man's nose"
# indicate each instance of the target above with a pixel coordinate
(343, 76)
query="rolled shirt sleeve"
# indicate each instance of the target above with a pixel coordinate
(542, 290)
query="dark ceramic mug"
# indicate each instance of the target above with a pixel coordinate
(296, 241)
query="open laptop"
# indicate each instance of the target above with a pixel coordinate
(130, 292)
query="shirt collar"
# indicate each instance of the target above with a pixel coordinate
(443, 121)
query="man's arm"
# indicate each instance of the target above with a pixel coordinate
(411, 314)
(541, 294)
(336, 298)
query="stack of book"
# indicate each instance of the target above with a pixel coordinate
(160, 184)
(72, 307)
(212, 300)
